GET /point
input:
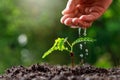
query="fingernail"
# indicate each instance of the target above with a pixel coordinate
(81, 18)
(65, 11)
(61, 20)
(68, 21)
(75, 21)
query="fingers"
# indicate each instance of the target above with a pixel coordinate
(90, 17)
(81, 24)
(70, 7)
(65, 17)
(94, 13)
(76, 23)
(68, 22)
(84, 24)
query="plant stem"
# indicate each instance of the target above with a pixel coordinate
(71, 48)
(72, 59)
(69, 44)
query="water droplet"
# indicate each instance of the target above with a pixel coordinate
(86, 53)
(85, 43)
(86, 50)
(85, 32)
(81, 55)
(81, 46)
(79, 32)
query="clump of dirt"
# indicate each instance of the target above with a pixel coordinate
(50, 72)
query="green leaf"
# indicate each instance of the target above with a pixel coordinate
(58, 45)
(85, 39)
(47, 53)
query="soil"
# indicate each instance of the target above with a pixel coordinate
(50, 72)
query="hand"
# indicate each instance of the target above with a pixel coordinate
(82, 13)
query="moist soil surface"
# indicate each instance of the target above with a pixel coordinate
(50, 72)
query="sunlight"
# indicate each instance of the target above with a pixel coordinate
(39, 12)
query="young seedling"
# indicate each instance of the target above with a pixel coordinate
(62, 44)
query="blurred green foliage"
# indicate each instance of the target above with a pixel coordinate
(28, 28)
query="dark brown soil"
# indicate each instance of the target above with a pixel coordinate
(49, 72)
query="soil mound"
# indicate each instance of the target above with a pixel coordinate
(50, 72)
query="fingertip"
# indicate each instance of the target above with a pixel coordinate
(74, 26)
(83, 17)
(64, 12)
(88, 18)
(75, 21)
(84, 24)
(65, 17)
(62, 20)
(68, 21)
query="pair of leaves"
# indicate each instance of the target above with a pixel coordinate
(60, 44)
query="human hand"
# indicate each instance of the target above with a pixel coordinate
(82, 13)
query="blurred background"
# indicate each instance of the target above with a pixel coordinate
(28, 28)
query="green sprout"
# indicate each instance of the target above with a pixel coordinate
(62, 44)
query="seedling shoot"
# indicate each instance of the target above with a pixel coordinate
(62, 44)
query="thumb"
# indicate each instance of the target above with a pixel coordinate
(70, 6)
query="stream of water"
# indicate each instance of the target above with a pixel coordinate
(83, 50)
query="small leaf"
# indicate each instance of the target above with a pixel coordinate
(58, 45)
(85, 39)
(47, 53)
(61, 44)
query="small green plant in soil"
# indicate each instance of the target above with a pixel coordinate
(62, 44)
